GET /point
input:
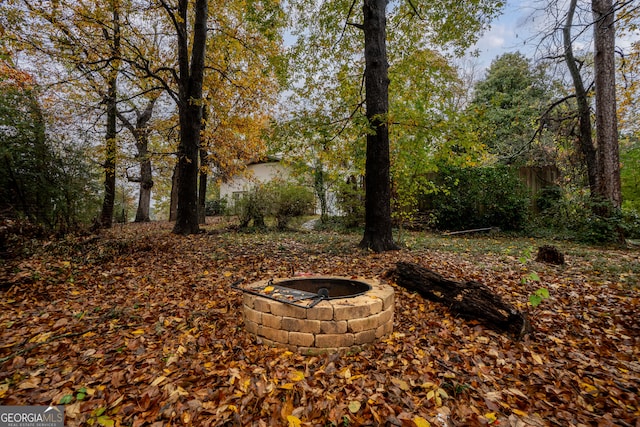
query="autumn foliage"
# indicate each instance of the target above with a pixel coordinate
(137, 326)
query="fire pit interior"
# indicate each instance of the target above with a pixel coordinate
(311, 313)
(327, 287)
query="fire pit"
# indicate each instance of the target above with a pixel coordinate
(312, 313)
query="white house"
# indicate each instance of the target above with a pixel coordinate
(256, 173)
(262, 172)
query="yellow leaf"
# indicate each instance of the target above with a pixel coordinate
(296, 376)
(589, 389)
(354, 406)
(4, 387)
(519, 412)
(287, 386)
(158, 380)
(536, 358)
(491, 417)
(431, 394)
(401, 383)
(421, 422)
(227, 274)
(268, 289)
(345, 373)
(293, 421)
(138, 332)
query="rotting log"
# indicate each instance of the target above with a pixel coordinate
(470, 300)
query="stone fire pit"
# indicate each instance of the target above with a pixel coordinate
(309, 314)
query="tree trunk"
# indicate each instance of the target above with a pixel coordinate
(585, 139)
(470, 300)
(173, 202)
(202, 187)
(140, 132)
(111, 148)
(609, 187)
(377, 233)
(144, 197)
(187, 209)
(191, 74)
(321, 191)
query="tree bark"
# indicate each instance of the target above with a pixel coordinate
(470, 300)
(377, 233)
(140, 132)
(585, 139)
(111, 148)
(143, 213)
(173, 202)
(190, 80)
(202, 187)
(609, 187)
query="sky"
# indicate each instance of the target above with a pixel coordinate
(516, 28)
(510, 32)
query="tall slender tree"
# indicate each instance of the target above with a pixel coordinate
(609, 187)
(585, 138)
(112, 38)
(377, 232)
(140, 131)
(191, 46)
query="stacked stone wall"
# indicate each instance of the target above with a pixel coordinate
(328, 326)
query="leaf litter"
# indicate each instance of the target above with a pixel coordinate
(138, 327)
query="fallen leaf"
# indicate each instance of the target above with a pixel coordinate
(421, 422)
(33, 382)
(354, 406)
(402, 384)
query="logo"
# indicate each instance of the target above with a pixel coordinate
(31, 416)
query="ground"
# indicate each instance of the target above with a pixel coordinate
(137, 326)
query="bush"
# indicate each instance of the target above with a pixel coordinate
(251, 206)
(478, 197)
(278, 199)
(577, 216)
(631, 223)
(215, 207)
(350, 200)
(287, 201)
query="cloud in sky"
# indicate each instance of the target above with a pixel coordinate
(508, 33)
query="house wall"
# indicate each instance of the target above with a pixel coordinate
(255, 173)
(263, 173)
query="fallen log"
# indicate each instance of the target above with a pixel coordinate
(470, 300)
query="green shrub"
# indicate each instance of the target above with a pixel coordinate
(288, 200)
(548, 197)
(478, 197)
(251, 206)
(215, 207)
(577, 216)
(350, 200)
(631, 223)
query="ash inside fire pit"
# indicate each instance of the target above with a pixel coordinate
(329, 288)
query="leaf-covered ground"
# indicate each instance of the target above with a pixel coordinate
(139, 327)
